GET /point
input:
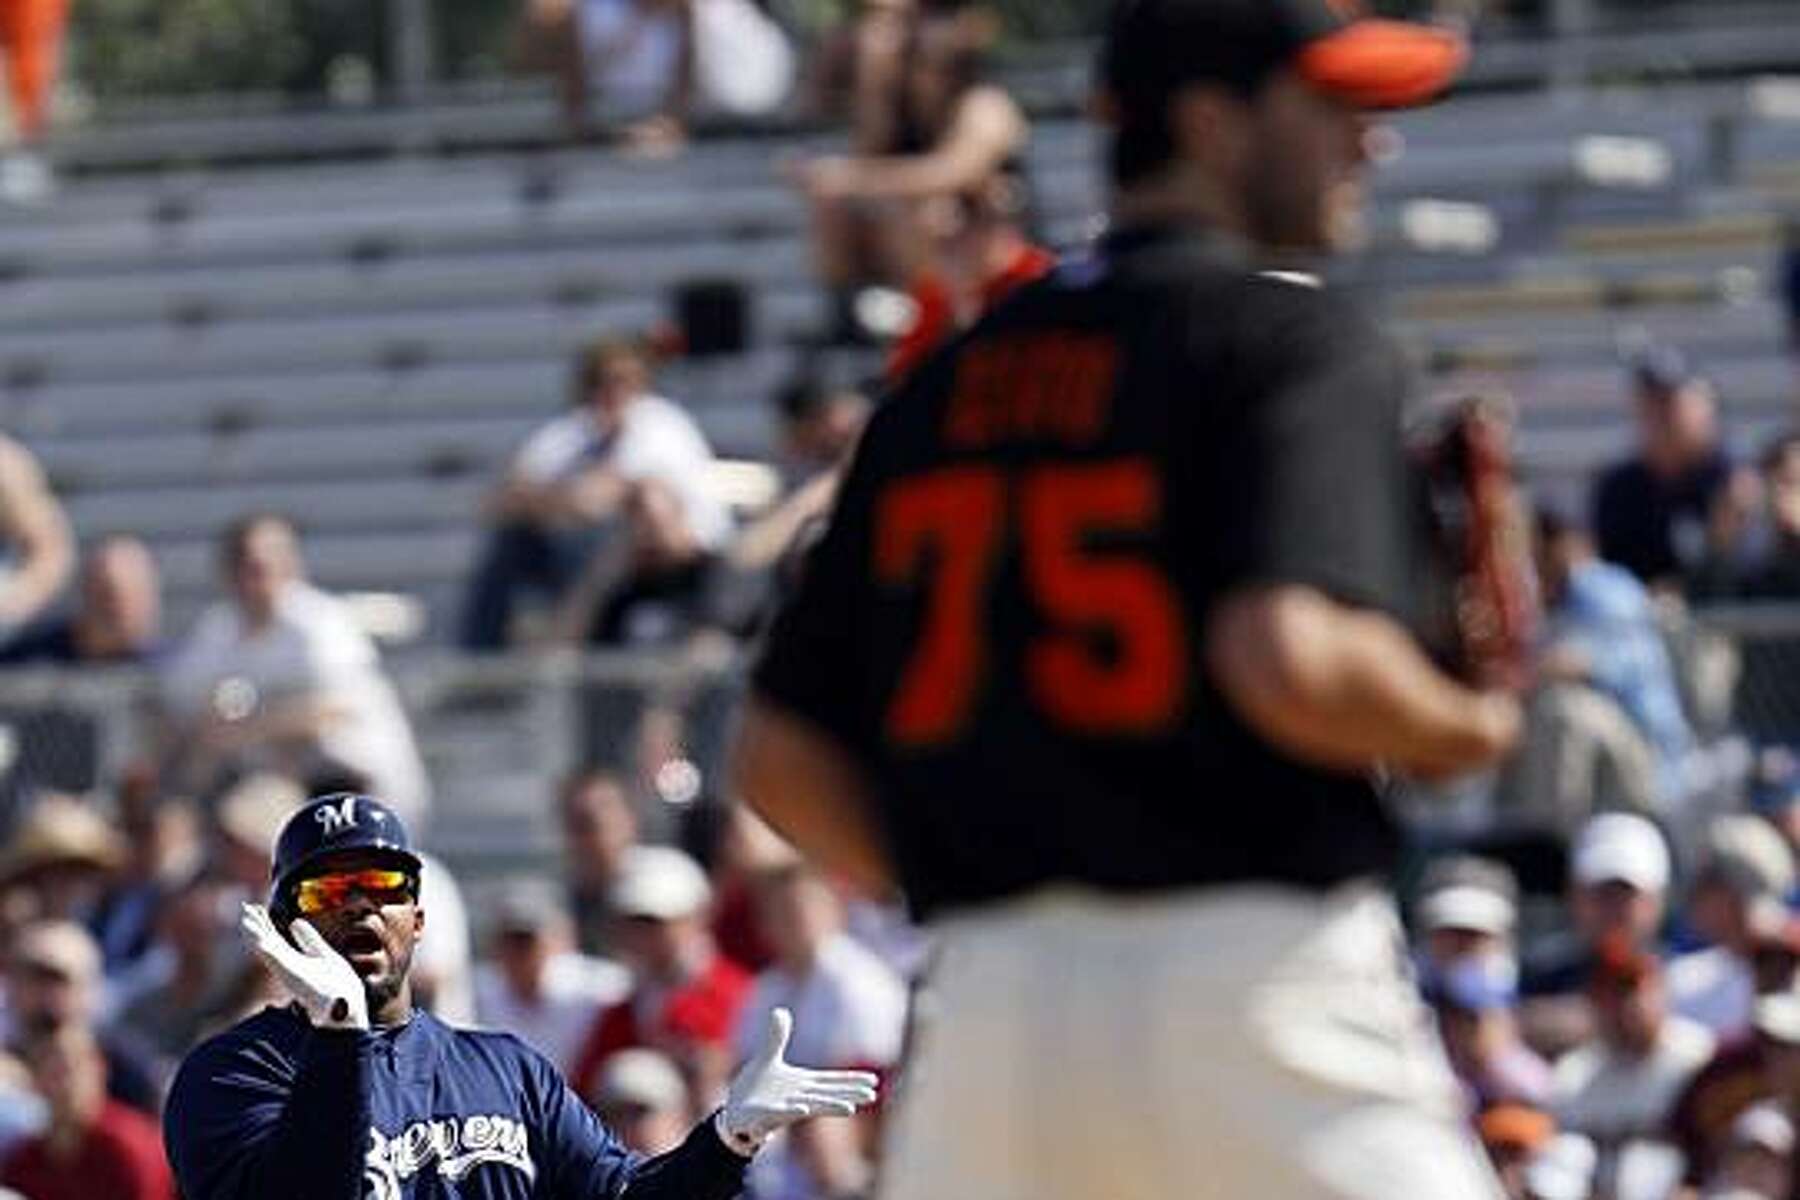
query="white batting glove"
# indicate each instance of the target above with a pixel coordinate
(769, 1094)
(317, 976)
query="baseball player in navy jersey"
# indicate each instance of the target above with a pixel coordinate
(1125, 607)
(352, 1094)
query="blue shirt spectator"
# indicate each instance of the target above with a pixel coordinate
(1602, 629)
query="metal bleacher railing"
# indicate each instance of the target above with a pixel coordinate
(497, 733)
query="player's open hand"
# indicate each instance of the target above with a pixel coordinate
(317, 976)
(770, 1094)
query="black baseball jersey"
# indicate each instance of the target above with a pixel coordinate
(1004, 621)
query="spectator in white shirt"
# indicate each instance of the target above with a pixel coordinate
(537, 985)
(1737, 904)
(281, 677)
(855, 1009)
(581, 471)
(1621, 1085)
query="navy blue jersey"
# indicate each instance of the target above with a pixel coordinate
(274, 1109)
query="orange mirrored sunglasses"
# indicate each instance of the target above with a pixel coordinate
(380, 884)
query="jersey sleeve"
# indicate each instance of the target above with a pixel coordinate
(1316, 481)
(246, 1122)
(810, 660)
(586, 1162)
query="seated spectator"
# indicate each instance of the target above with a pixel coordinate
(1652, 512)
(443, 980)
(638, 54)
(1618, 885)
(1476, 1003)
(117, 618)
(1758, 1159)
(648, 586)
(53, 983)
(60, 860)
(93, 1146)
(34, 541)
(1622, 1085)
(950, 132)
(281, 677)
(1618, 890)
(1466, 913)
(163, 849)
(980, 254)
(855, 75)
(1602, 632)
(578, 473)
(685, 995)
(1738, 896)
(1770, 570)
(599, 834)
(819, 427)
(1762, 1067)
(641, 1097)
(203, 980)
(535, 983)
(857, 1005)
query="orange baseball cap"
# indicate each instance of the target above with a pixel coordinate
(1154, 47)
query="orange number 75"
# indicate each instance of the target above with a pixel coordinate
(1113, 658)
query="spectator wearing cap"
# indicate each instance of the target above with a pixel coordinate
(53, 982)
(1738, 896)
(1621, 1085)
(1652, 511)
(855, 1007)
(536, 984)
(685, 995)
(1758, 1161)
(599, 834)
(1466, 912)
(60, 860)
(1603, 634)
(1618, 890)
(1761, 1067)
(642, 1098)
(93, 1146)
(280, 676)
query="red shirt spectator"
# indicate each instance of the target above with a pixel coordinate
(703, 1011)
(686, 995)
(937, 316)
(93, 1146)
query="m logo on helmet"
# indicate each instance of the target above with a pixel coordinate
(335, 819)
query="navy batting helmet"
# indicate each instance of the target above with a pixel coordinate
(331, 825)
